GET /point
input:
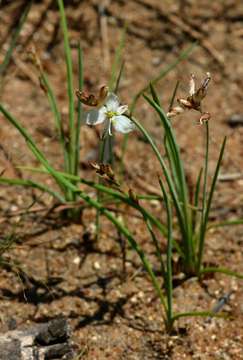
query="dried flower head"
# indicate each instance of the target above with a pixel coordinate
(194, 100)
(91, 99)
(34, 57)
(105, 171)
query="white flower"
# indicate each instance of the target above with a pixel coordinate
(111, 114)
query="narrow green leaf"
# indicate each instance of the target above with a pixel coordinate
(208, 207)
(199, 314)
(225, 223)
(154, 94)
(79, 119)
(185, 221)
(168, 277)
(221, 270)
(69, 66)
(174, 95)
(14, 38)
(57, 117)
(32, 184)
(196, 201)
(117, 61)
(166, 173)
(118, 80)
(29, 141)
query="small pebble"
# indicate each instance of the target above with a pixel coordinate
(76, 260)
(96, 265)
(235, 120)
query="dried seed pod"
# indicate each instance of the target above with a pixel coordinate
(91, 99)
(105, 171)
(194, 100)
(204, 117)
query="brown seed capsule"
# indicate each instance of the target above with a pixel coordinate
(193, 101)
(105, 171)
(91, 99)
(204, 118)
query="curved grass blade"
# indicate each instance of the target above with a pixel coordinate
(117, 64)
(183, 214)
(221, 270)
(196, 201)
(32, 184)
(225, 223)
(69, 67)
(157, 247)
(174, 95)
(107, 190)
(14, 39)
(79, 119)
(168, 275)
(166, 173)
(200, 314)
(208, 207)
(119, 77)
(57, 116)
(29, 141)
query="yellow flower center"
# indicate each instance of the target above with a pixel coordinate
(111, 114)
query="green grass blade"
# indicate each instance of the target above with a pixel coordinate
(205, 176)
(156, 245)
(166, 173)
(29, 141)
(109, 191)
(69, 66)
(154, 95)
(208, 207)
(225, 223)
(168, 144)
(14, 39)
(221, 270)
(174, 149)
(199, 314)
(174, 95)
(182, 190)
(117, 64)
(170, 155)
(168, 277)
(118, 80)
(126, 199)
(32, 184)
(196, 201)
(57, 116)
(79, 119)
(197, 189)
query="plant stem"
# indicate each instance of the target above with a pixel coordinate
(72, 128)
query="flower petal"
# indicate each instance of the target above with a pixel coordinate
(122, 109)
(192, 85)
(123, 124)
(94, 116)
(112, 102)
